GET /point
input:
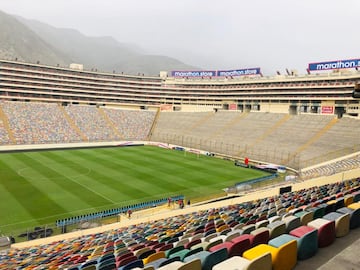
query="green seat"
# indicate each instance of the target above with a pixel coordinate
(182, 254)
(164, 239)
(209, 259)
(173, 250)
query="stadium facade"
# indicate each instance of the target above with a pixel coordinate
(318, 93)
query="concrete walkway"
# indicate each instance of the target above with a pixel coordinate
(343, 254)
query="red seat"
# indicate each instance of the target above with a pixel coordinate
(233, 248)
(192, 243)
(126, 260)
(326, 231)
(259, 236)
(243, 243)
(165, 247)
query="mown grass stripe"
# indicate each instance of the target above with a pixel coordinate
(174, 183)
(90, 196)
(7, 199)
(121, 181)
(31, 198)
(106, 178)
(138, 171)
(192, 164)
(48, 185)
(125, 175)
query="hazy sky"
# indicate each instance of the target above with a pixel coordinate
(221, 34)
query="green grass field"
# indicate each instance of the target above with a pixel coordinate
(38, 188)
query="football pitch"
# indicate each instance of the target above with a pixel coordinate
(38, 188)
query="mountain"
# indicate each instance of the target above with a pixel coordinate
(32, 41)
(18, 42)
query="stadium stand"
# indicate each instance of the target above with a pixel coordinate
(40, 123)
(91, 123)
(4, 137)
(304, 122)
(293, 141)
(37, 123)
(331, 167)
(136, 245)
(276, 138)
(133, 125)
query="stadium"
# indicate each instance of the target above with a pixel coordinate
(113, 171)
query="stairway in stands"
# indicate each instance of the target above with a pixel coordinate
(313, 139)
(83, 137)
(111, 124)
(200, 122)
(269, 131)
(153, 126)
(6, 124)
(228, 125)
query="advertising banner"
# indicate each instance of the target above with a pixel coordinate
(327, 109)
(233, 106)
(238, 72)
(216, 73)
(197, 73)
(339, 64)
(166, 107)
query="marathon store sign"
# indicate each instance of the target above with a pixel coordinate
(216, 73)
(339, 64)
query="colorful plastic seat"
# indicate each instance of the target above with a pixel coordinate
(283, 253)
(177, 265)
(307, 241)
(259, 236)
(154, 257)
(276, 228)
(326, 231)
(263, 262)
(342, 223)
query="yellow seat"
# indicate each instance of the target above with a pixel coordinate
(331, 202)
(354, 206)
(348, 199)
(283, 257)
(290, 208)
(222, 228)
(262, 262)
(154, 257)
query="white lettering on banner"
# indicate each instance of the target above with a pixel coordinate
(206, 74)
(218, 73)
(338, 65)
(237, 72)
(193, 74)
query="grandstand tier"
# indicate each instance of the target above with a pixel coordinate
(310, 124)
(212, 236)
(295, 141)
(329, 94)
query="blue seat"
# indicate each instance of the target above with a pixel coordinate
(106, 265)
(354, 216)
(131, 265)
(88, 263)
(209, 259)
(163, 261)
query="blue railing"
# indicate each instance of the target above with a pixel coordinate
(115, 211)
